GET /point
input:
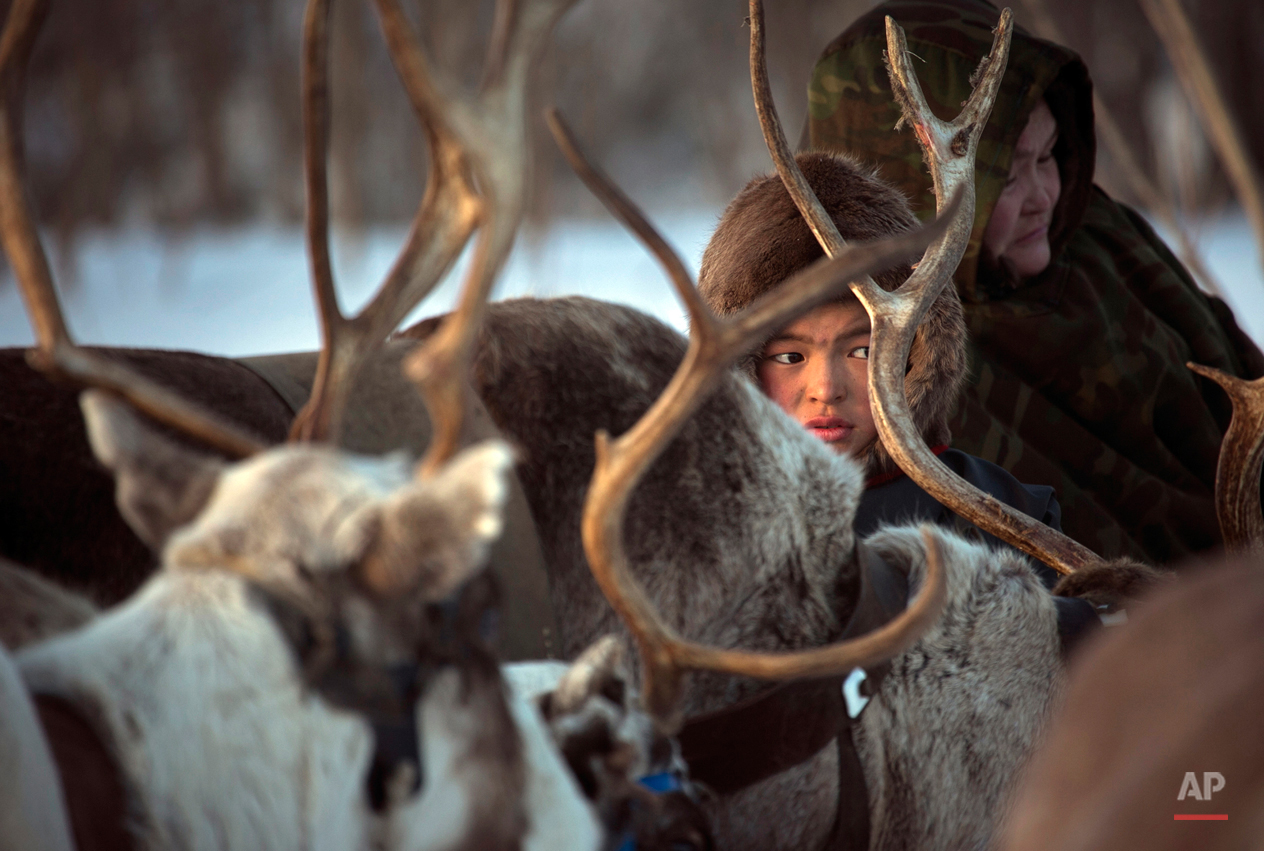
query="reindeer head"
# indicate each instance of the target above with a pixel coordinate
(353, 554)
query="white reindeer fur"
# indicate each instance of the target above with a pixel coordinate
(32, 810)
(196, 690)
(968, 701)
(268, 765)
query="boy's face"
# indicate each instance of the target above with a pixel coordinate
(816, 369)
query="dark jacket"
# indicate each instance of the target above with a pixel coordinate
(895, 498)
(1077, 376)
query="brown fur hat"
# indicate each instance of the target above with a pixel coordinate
(762, 240)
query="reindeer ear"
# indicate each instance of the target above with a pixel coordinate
(160, 485)
(600, 669)
(435, 533)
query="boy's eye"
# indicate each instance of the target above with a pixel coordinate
(861, 353)
(786, 358)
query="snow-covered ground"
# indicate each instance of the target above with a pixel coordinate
(242, 292)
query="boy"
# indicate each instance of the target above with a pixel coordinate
(815, 369)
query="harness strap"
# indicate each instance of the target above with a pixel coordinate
(731, 748)
(92, 781)
(1077, 619)
(739, 745)
(851, 822)
(884, 593)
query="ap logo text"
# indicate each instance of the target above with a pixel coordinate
(1213, 781)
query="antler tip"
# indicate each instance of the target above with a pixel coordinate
(1216, 375)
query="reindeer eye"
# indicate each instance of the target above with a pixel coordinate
(613, 691)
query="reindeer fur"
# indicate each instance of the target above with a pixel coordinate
(32, 809)
(198, 692)
(946, 737)
(49, 472)
(741, 532)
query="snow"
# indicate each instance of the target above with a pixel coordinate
(1228, 248)
(244, 292)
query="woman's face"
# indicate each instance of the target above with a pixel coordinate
(1019, 228)
(817, 370)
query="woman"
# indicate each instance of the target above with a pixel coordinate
(1080, 319)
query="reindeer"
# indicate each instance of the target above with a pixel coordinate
(741, 535)
(47, 468)
(317, 615)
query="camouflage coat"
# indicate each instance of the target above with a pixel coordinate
(1077, 375)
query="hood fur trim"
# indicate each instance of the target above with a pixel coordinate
(762, 240)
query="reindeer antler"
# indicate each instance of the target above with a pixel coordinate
(445, 219)
(56, 352)
(1241, 462)
(478, 150)
(495, 135)
(950, 148)
(714, 345)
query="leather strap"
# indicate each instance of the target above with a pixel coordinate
(739, 745)
(91, 779)
(731, 748)
(1077, 619)
(851, 822)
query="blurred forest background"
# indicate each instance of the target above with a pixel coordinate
(174, 114)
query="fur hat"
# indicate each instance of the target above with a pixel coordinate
(762, 240)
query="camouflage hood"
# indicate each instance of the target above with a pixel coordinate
(1077, 375)
(851, 110)
(762, 240)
